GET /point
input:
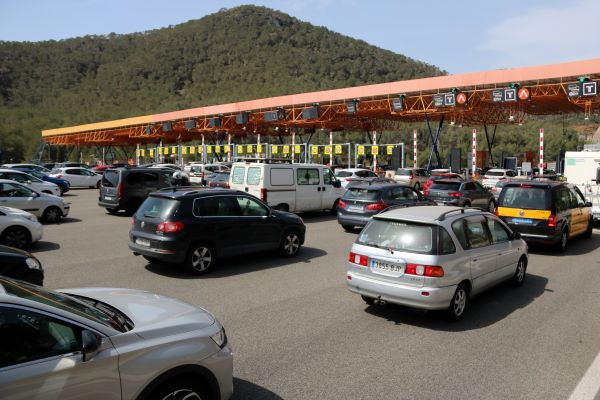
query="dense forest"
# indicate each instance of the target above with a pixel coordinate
(238, 54)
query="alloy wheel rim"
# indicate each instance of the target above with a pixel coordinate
(491, 207)
(460, 300)
(16, 239)
(182, 394)
(520, 271)
(201, 258)
(291, 244)
(53, 215)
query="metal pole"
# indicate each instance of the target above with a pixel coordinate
(257, 144)
(228, 147)
(415, 164)
(474, 153)
(331, 148)
(349, 156)
(203, 158)
(137, 154)
(103, 156)
(541, 151)
(374, 155)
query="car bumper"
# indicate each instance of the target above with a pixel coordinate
(438, 298)
(108, 204)
(37, 231)
(355, 220)
(543, 239)
(196, 179)
(221, 365)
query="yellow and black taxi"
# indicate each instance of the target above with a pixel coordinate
(545, 212)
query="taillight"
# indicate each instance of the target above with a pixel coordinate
(425, 192)
(377, 206)
(348, 179)
(227, 186)
(454, 194)
(169, 227)
(357, 259)
(132, 220)
(263, 194)
(58, 176)
(119, 189)
(434, 271)
(342, 204)
(552, 221)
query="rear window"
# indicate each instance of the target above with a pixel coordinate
(525, 197)
(253, 176)
(110, 178)
(445, 186)
(158, 207)
(238, 175)
(402, 236)
(361, 194)
(494, 173)
(343, 174)
(404, 172)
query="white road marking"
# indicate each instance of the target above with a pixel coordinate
(589, 385)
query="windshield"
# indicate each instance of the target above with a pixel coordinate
(445, 186)
(343, 174)
(404, 172)
(401, 235)
(361, 194)
(110, 178)
(59, 300)
(158, 207)
(531, 198)
(494, 173)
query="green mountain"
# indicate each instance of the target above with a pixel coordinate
(238, 54)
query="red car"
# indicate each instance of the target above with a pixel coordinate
(437, 176)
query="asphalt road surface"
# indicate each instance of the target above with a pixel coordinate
(298, 333)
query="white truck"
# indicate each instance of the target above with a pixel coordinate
(581, 169)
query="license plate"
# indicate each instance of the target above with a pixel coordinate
(522, 221)
(142, 242)
(387, 267)
(108, 198)
(355, 208)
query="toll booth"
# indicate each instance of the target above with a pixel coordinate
(389, 155)
(257, 150)
(296, 152)
(337, 154)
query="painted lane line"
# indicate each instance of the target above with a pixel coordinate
(589, 385)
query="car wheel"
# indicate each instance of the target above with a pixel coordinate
(132, 206)
(282, 207)
(98, 185)
(418, 186)
(200, 259)
(467, 204)
(181, 388)
(459, 303)
(113, 211)
(369, 300)
(16, 236)
(334, 209)
(590, 230)
(52, 214)
(562, 243)
(348, 228)
(519, 276)
(290, 243)
(491, 206)
(46, 191)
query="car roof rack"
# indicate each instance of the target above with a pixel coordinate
(443, 215)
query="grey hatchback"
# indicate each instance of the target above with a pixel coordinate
(100, 343)
(455, 192)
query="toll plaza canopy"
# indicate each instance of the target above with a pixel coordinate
(490, 97)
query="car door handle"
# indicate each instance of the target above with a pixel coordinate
(318, 189)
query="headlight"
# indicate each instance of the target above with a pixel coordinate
(32, 263)
(220, 338)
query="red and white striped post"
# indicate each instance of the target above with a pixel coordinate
(474, 153)
(415, 148)
(541, 151)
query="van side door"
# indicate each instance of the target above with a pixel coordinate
(329, 192)
(308, 189)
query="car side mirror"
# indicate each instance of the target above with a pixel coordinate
(90, 343)
(28, 181)
(337, 184)
(516, 235)
(588, 203)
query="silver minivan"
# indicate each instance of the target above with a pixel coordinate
(434, 257)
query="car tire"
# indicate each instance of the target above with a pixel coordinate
(458, 305)
(200, 259)
(491, 206)
(181, 388)
(590, 229)
(417, 186)
(290, 243)
(348, 228)
(520, 273)
(132, 206)
(52, 214)
(334, 208)
(16, 236)
(467, 204)
(282, 207)
(562, 242)
(368, 300)
(98, 185)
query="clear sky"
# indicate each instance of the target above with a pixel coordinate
(458, 36)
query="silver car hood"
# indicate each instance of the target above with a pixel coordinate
(153, 315)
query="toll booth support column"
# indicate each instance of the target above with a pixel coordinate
(474, 153)
(374, 155)
(228, 147)
(203, 158)
(415, 164)
(541, 151)
(257, 144)
(331, 147)
(293, 145)
(137, 154)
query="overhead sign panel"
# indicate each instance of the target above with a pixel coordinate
(445, 100)
(582, 89)
(504, 95)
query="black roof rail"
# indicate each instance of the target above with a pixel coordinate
(442, 216)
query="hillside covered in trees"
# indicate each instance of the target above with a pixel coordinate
(238, 54)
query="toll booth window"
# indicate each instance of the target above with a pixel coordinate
(308, 176)
(238, 175)
(253, 176)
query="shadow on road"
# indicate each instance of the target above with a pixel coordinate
(484, 310)
(67, 220)
(42, 246)
(317, 216)
(239, 264)
(244, 390)
(575, 247)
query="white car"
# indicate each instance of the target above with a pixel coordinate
(47, 207)
(19, 228)
(199, 172)
(30, 181)
(347, 175)
(493, 175)
(34, 167)
(78, 177)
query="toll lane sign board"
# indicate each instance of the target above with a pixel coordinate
(504, 95)
(582, 89)
(444, 100)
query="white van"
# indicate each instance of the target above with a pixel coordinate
(288, 187)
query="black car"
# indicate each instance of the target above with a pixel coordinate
(362, 200)
(196, 226)
(455, 192)
(127, 188)
(19, 264)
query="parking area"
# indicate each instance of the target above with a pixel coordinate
(298, 333)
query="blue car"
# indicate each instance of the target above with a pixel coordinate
(63, 184)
